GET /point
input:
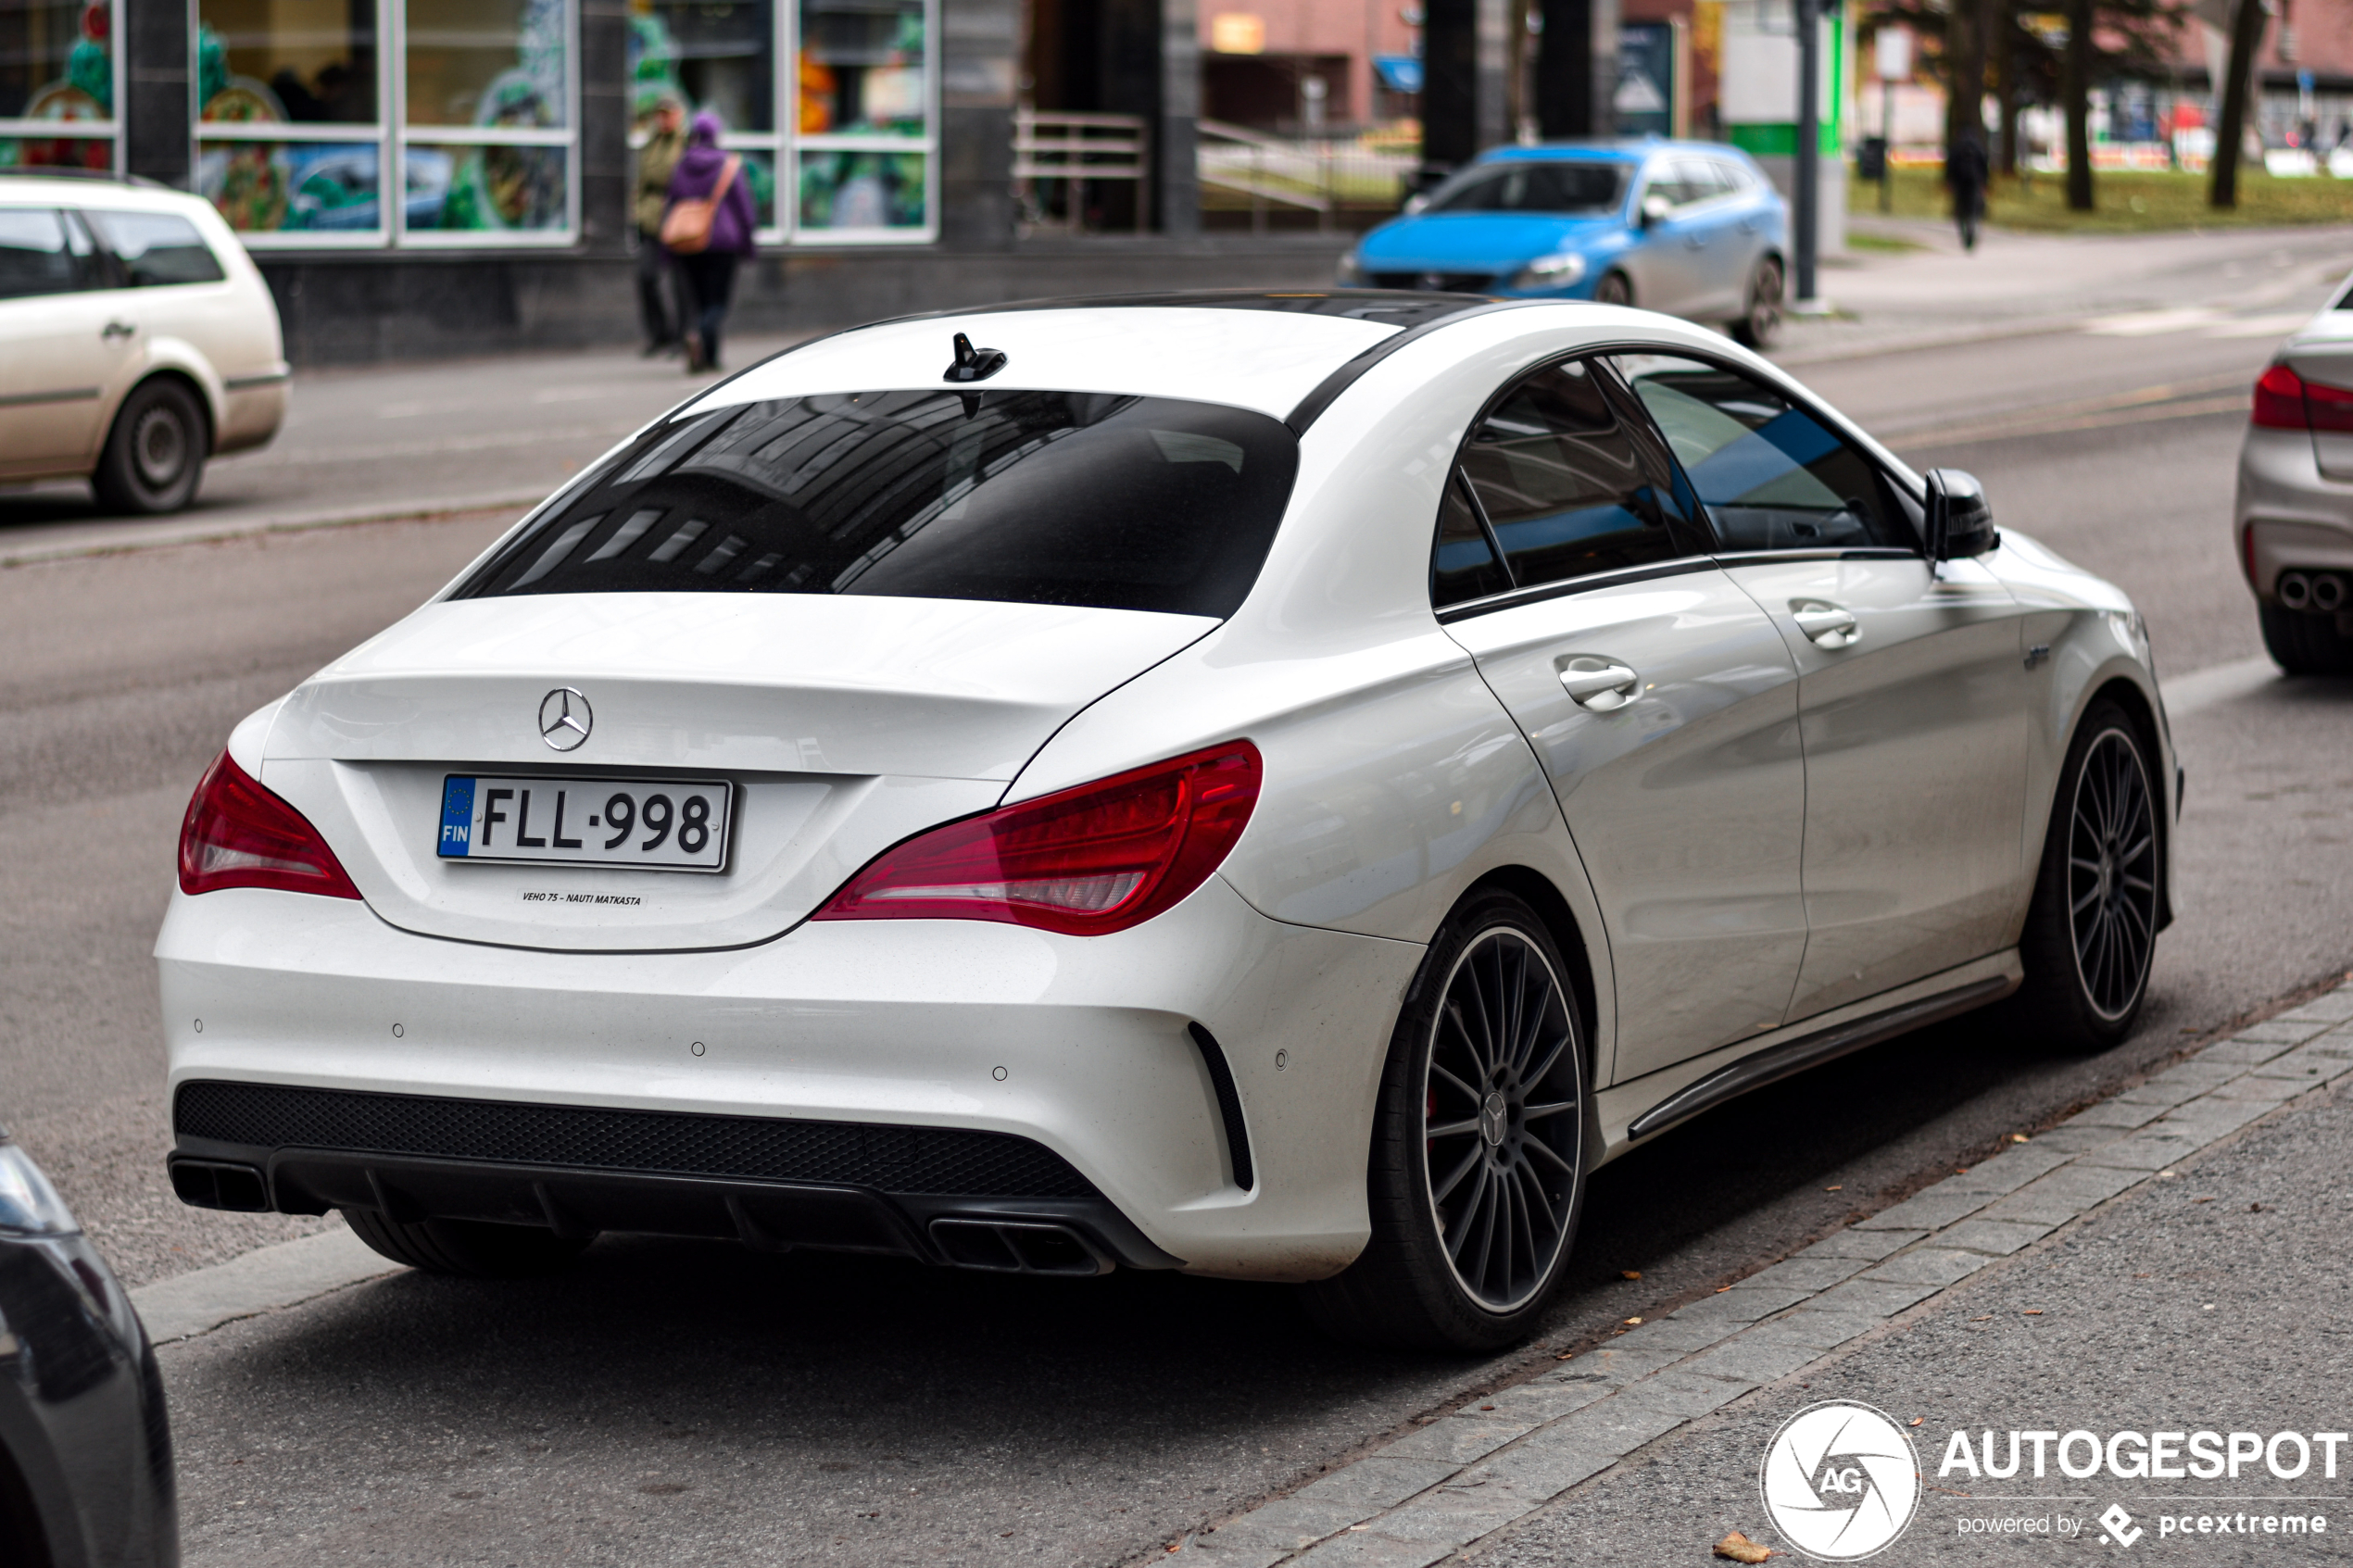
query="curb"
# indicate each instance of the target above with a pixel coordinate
(1465, 1477)
(156, 536)
(267, 1279)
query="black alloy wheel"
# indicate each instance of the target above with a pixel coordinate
(155, 454)
(1615, 288)
(1763, 321)
(2111, 875)
(1476, 1175)
(2091, 935)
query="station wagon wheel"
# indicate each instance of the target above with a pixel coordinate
(1476, 1176)
(1758, 327)
(2091, 935)
(1615, 288)
(155, 454)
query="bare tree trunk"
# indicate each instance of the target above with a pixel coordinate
(2005, 73)
(2077, 90)
(1964, 73)
(2246, 37)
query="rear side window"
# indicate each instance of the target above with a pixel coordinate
(1771, 476)
(34, 257)
(1024, 497)
(1565, 487)
(159, 248)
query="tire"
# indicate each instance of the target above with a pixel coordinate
(2091, 930)
(1431, 1276)
(2305, 644)
(473, 1248)
(1615, 288)
(1763, 321)
(155, 454)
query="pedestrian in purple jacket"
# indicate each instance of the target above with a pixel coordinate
(711, 272)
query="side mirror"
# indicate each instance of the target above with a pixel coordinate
(1960, 523)
(1656, 208)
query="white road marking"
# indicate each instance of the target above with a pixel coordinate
(2201, 689)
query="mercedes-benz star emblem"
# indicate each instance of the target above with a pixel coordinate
(564, 719)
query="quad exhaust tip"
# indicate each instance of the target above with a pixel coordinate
(2328, 593)
(1017, 1247)
(2323, 591)
(2295, 590)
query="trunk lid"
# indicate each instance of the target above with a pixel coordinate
(844, 724)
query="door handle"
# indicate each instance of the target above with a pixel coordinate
(1601, 685)
(1825, 625)
(117, 329)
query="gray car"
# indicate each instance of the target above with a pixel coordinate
(2294, 512)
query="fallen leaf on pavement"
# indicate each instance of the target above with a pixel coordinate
(1918, 1419)
(1632, 1321)
(1629, 1274)
(2017, 1137)
(1740, 1549)
(1987, 1318)
(1840, 1187)
(2032, 1313)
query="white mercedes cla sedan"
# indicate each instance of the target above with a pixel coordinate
(1275, 786)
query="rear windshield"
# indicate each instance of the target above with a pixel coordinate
(1549, 186)
(1022, 497)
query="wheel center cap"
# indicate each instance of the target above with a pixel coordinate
(1494, 1119)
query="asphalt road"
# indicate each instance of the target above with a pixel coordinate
(674, 1402)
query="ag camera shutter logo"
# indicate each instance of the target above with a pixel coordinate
(1839, 1481)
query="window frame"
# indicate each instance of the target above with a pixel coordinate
(794, 144)
(1645, 431)
(16, 127)
(376, 133)
(1907, 488)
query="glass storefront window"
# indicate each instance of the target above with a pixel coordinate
(57, 83)
(294, 187)
(286, 62)
(851, 190)
(716, 54)
(487, 63)
(497, 189)
(862, 67)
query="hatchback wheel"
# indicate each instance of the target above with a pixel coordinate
(2091, 932)
(155, 454)
(1615, 288)
(466, 1247)
(1756, 328)
(2305, 644)
(1476, 1169)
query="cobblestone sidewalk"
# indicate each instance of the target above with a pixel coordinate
(1465, 1476)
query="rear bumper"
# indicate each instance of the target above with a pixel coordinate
(940, 1195)
(1081, 1049)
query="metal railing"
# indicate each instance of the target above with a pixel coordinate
(1244, 169)
(1062, 161)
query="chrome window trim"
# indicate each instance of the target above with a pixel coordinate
(1543, 591)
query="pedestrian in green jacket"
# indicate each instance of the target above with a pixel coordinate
(655, 159)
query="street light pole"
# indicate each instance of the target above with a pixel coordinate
(1810, 143)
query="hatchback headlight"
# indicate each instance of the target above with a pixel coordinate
(29, 1205)
(1550, 271)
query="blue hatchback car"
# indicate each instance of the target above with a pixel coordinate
(1693, 229)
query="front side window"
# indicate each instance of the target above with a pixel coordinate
(33, 258)
(158, 248)
(1535, 186)
(1771, 476)
(1566, 486)
(1028, 497)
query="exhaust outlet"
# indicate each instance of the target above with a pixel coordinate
(2295, 590)
(2328, 593)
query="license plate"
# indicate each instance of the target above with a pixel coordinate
(649, 824)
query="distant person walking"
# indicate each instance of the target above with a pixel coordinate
(1965, 171)
(707, 228)
(655, 162)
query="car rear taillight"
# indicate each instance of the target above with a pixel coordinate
(238, 834)
(1085, 861)
(2284, 400)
